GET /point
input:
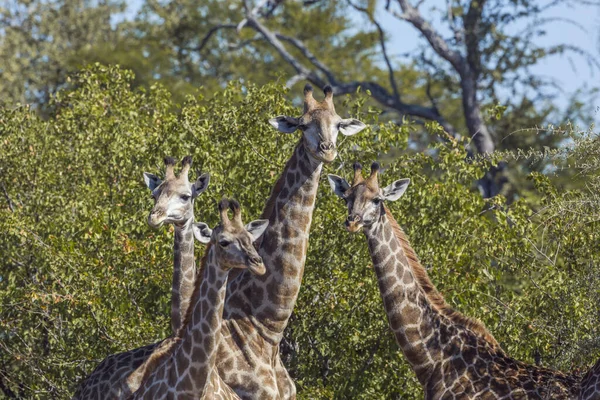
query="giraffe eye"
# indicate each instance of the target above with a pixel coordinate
(185, 197)
(224, 243)
(377, 201)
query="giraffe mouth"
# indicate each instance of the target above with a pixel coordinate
(257, 268)
(155, 222)
(325, 156)
(353, 226)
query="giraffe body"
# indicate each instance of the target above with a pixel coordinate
(186, 369)
(109, 378)
(454, 357)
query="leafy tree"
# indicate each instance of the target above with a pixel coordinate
(41, 42)
(82, 276)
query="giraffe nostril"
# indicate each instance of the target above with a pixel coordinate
(256, 259)
(353, 218)
(326, 146)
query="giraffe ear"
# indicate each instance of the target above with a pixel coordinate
(285, 124)
(257, 228)
(152, 181)
(200, 185)
(394, 191)
(351, 126)
(202, 232)
(338, 184)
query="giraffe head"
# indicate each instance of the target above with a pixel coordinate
(174, 197)
(319, 124)
(364, 198)
(233, 239)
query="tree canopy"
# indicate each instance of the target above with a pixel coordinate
(83, 276)
(185, 45)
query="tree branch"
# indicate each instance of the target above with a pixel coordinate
(383, 48)
(8, 199)
(211, 32)
(471, 23)
(274, 41)
(437, 42)
(308, 54)
(5, 388)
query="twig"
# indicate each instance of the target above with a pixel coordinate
(10, 203)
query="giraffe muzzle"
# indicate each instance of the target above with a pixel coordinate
(353, 223)
(156, 219)
(327, 147)
(326, 152)
(256, 265)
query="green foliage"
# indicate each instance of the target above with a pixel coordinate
(82, 276)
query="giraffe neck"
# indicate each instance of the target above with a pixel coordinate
(201, 333)
(184, 272)
(269, 300)
(411, 315)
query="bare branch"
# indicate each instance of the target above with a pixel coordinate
(437, 42)
(274, 41)
(383, 48)
(294, 79)
(472, 23)
(8, 200)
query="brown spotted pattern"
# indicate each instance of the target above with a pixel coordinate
(109, 379)
(174, 205)
(119, 374)
(454, 357)
(257, 308)
(187, 369)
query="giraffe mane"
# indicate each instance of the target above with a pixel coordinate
(436, 298)
(168, 346)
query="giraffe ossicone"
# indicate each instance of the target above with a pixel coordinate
(452, 355)
(185, 368)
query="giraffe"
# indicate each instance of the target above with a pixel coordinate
(257, 308)
(186, 369)
(454, 357)
(590, 384)
(173, 204)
